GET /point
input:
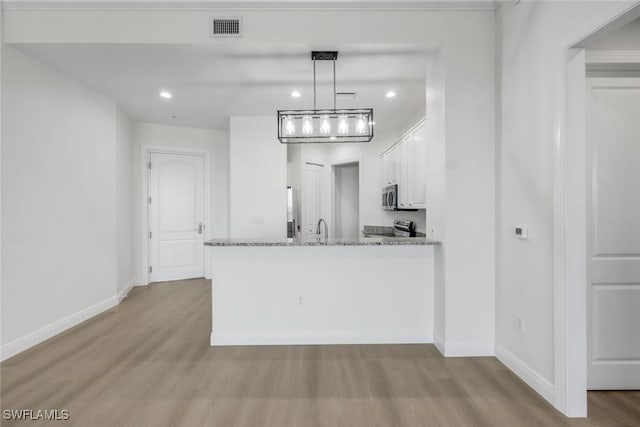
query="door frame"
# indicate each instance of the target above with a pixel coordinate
(570, 220)
(332, 190)
(145, 153)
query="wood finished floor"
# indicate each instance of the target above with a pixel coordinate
(148, 362)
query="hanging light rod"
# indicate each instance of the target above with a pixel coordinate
(325, 125)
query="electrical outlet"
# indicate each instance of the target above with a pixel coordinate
(521, 322)
(300, 300)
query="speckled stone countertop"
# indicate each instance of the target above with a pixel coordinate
(361, 241)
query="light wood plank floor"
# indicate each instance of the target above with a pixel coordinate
(148, 362)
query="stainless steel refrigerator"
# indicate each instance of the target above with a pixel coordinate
(292, 212)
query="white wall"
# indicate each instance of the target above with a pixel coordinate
(257, 179)
(58, 198)
(436, 193)
(436, 152)
(469, 234)
(175, 137)
(124, 200)
(532, 43)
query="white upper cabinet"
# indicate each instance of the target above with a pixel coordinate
(418, 167)
(405, 184)
(390, 168)
(405, 164)
(384, 161)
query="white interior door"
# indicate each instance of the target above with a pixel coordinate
(176, 216)
(311, 198)
(614, 297)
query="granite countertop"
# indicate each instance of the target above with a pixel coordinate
(357, 241)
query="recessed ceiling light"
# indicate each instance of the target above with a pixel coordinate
(333, 138)
(390, 94)
(166, 94)
(296, 94)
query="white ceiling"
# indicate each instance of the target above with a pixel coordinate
(211, 82)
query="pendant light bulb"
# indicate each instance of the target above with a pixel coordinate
(290, 126)
(361, 125)
(325, 125)
(343, 125)
(307, 126)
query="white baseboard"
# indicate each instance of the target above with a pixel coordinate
(139, 281)
(323, 337)
(534, 380)
(468, 349)
(125, 291)
(23, 343)
(463, 348)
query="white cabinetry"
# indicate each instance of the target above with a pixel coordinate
(405, 184)
(405, 164)
(418, 167)
(390, 167)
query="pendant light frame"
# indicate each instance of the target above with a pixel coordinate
(359, 121)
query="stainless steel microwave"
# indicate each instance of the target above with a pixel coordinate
(390, 197)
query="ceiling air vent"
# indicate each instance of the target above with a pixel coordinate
(227, 27)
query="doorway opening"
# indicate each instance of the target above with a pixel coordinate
(346, 200)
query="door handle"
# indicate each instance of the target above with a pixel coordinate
(200, 228)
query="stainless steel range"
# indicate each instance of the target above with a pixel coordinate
(404, 228)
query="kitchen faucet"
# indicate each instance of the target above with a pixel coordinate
(326, 229)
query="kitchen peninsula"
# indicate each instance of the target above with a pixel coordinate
(317, 291)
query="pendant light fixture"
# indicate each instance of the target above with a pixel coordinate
(325, 125)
